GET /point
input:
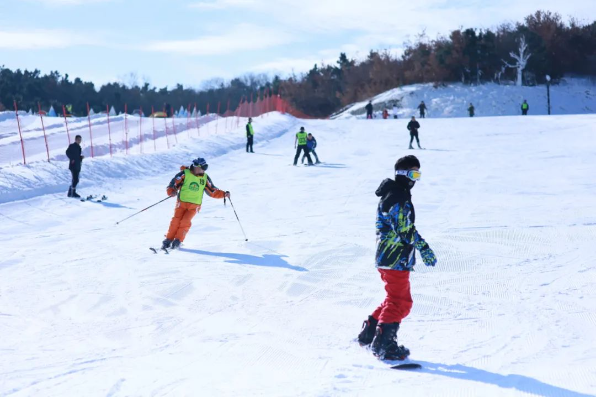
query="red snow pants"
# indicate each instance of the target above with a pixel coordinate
(398, 303)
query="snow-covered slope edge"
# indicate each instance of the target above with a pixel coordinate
(21, 182)
(572, 96)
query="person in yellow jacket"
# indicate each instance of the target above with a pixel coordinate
(250, 134)
(189, 185)
(302, 141)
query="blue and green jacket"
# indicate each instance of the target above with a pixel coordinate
(397, 236)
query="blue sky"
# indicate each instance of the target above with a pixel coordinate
(193, 41)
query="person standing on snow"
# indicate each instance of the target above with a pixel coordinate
(471, 110)
(302, 140)
(311, 142)
(395, 259)
(189, 185)
(385, 114)
(413, 126)
(422, 109)
(524, 108)
(250, 133)
(74, 165)
(369, 110)
(394, 111)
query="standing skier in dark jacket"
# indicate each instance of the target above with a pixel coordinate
(422, 109)
(250, 133)
(397, 240)
(369, 110)
(311, 143)
(74, 165)
(413, 126)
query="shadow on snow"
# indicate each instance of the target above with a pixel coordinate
(512, 381)
(244, 259)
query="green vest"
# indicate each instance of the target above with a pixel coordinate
(301, 138)
(250, 130)
(524, 106)
(193, 188)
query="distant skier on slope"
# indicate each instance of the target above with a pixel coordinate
(395, 259)
(422, 109)
(413, 126)
(74, 165)
(311, 142)
(302, 141)
(524, 108)
(395, 111)
(471, 110)
(189, 185)
(369, 110)
(250, 133)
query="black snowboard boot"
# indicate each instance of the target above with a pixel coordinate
(74, 193)
(70, 191)
(166, 244)
(176, 244)
(368, 331)
(384, 344)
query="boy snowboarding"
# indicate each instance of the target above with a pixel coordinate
(397, 239)
(311, 142)
(189, 185)
(301, 140)
(74, 164)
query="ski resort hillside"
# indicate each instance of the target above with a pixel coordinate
(570, 96)
(506, 203)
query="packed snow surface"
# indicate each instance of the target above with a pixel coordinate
(507, 203)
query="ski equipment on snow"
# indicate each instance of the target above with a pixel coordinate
(241, 228)
(144, 209)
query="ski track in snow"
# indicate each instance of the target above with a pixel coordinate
(506, 203)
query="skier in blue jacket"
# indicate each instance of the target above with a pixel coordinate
(311, 143)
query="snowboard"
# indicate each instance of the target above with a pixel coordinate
(407, 366)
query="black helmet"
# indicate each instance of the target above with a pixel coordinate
(301, 128)
(201, 163)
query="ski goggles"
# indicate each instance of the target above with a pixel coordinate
(410, 174)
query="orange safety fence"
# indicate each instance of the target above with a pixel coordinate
(26, 137)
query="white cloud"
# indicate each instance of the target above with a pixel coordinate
(243, 37)
(42, 39)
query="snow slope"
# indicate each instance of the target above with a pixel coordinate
(507, 203)
(571, 96)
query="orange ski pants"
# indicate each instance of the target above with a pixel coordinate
(182, 220)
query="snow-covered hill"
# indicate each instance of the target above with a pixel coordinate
(507, 203)
(571, 96)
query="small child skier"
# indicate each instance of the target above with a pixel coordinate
(311, 143)
(395, 259)
(189, 185)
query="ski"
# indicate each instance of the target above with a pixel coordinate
(156, 250)
(94, 198)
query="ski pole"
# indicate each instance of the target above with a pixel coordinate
(241, 228)
(161, 201)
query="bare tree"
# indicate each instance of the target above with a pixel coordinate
(499, 74)
(521, 59)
